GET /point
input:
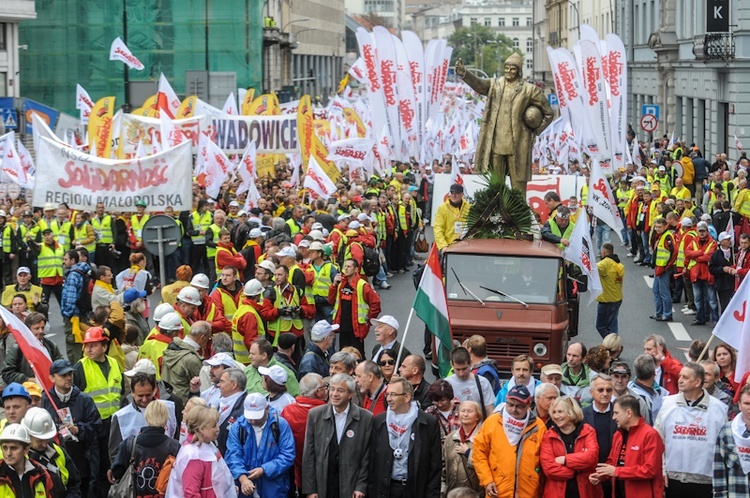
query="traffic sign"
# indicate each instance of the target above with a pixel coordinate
(649, 122)
(9, 118)
(161, 234)
(552, 99)
(652, 109)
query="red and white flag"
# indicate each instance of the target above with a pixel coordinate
(581, 252)
(733, 328)
(26, 161)
(601, 199)
(317, 181)
(166, 99)
(737, 142)
(120, 52)
(214, 163)
(171, 135)
(253, 196)
(247, 169)
(358, 71)
(12, 169)
(83, 103)
(32, 349)
(230, 106)
(295, 162)
(353, 151)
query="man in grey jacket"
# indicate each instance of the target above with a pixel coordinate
(336, 457)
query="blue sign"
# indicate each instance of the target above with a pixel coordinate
(8, 114)
(552, 99)
(653, 109)
(48, 114)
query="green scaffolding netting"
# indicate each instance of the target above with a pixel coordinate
(69, 43)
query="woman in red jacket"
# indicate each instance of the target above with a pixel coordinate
(569, 453)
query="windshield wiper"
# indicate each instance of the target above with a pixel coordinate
(504, 295)
(466, 290)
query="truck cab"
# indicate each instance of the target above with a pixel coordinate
(516, 294)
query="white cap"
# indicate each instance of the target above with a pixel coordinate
(143, 365)
(220, 359)
(316, 235)
(50, 207)
(234, 204)
(316, 226)
(242, 212)
(386, 319)
(686, 222)
(15, 432)
(255, 233)
(200, 281)
(317, 246)
(354, 225)
(363, 217)
(343, 217)
(255, 406)
(277, 374)
(23, 269)
(706, 217)
(287, 252)
(724, 236)
(304, 243)
(321, 330)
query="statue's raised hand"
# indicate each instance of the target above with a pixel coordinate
(460, 68)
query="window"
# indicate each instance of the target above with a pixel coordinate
(501, 21)
(516, 21)
(529, 64)
(529, 45)
(516, 43)
(528, 21)
(474, 21)
(3, 45)
(488, 21)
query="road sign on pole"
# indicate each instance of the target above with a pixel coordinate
(653, 109)
(552, 99)
(649, 123)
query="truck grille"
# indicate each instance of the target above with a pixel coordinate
(506, 350)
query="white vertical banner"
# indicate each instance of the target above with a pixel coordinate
(618, 88)
(603, 201)
(581, 252)
(372, 75)
(569, 86)
(406, 101)
(83, 103)
(386, 51)
(435, 65)
(598, 142)
(415, 55)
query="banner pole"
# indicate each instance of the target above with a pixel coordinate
(403, 337)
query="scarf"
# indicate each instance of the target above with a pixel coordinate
(105, 286)
(399, 426)
(531, 386)
(513, 427)
(225, 406)
(742, 443)
(466, 437)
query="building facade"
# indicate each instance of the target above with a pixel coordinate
(12, 12)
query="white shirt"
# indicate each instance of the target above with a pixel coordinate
(466, 390)
(383, 348)
(192, 343)
(340, 421)
(258, 432)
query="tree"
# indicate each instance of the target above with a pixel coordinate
(481, 48)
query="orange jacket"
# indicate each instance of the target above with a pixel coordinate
(495, 460)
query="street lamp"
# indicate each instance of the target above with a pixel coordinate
(578, 18)
(292, 22)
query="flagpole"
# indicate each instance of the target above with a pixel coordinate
(705, 349)
(403, 337)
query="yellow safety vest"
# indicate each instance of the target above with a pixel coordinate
(137, 225)
(342, 241)
(211, 251)
(7, 239)
(555, 229)
(680, 261)
(6, 491)
(402, 221)
(238, 342)
(323, 279)
(293, 226)
(745, 206)
(153, 349)
(283, 324)
(62, 233)
(61, 464)
(584, 195)
(709, 247)
(363, 309)
(229, 304)
(380, 228)
(622, 197)
(200, 222)
(218, 249)
(50, 261)
(83, 233)
(105, 392)
(308, 289)
(662, 253)
(103, 229)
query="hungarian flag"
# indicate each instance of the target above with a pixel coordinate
(432, 308)
(33, 350)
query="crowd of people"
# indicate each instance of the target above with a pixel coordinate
(251, 379)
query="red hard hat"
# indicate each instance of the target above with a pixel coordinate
(95, 334)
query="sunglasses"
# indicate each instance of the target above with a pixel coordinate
(383, 363)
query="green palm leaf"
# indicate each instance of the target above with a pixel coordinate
(499, 212)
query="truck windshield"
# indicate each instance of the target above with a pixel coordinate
(531, 280)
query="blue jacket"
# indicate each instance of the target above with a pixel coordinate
(313, 361)
(504, 392)
(274, 457)
(72, 290)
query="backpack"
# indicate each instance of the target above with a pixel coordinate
(489, 372)
(163, 478)
(84, 299)
(371, 263)
(274, 430)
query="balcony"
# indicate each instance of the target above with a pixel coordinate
(714, 46)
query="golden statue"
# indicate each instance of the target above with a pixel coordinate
(516, 112)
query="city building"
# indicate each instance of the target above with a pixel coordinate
(12, 12)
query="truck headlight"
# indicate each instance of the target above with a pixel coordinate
(540, 349)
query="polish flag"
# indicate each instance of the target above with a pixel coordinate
(31, 347)
(166, 98)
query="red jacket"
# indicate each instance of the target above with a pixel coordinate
(670, 373)
(230, 257)
(742, 265)
(247, 325)
(296, 415)
(371, 298)
(700, 251)
(269, 312)
(579, 464)
(209, 312)
(642, 472)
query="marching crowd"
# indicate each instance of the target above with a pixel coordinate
(254, 380)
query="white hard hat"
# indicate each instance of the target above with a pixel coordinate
(38, 422)
(15, 432)
(253, 288)
(171, 321)
(316, 235)
(162, 310)
(201, 281)
(189, 295)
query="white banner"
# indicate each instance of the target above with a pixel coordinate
(136, 129)
(82, 180)
(351, 150)
(120, 52)
(271, 134)
(386, 51)
(617, 70)
(372, 72)
(569, 88)
(598, 144)
(600, 198)
(83, 103)
(317, 181)
(415, 53)
(582, 253)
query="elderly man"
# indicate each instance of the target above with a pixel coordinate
(552, 374)
(544, 395)
(667, 366)
(181, 363)
(32, 293)
(517, 111)
(260, 449)
(599, 416)
(412, 369)
(315, 359)
(386, 330)
(712, 374)
(558, 229)
(313, 392)
(450, 218)
(217, 365)
(338, 468)
(370, 383)
(646, 388)
(232, 385)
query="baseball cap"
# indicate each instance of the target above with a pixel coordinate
(23, 269)
(619, 367)
(706, 217)
(277, 373)
(304, 243)
(242, 212)
(354, 225)
(60, 367)
(144, 365)
(131, 295)
(317, 235)
(321, 330)
(457, 189)
(551, 369)
(520, 393)
(686, 222)
(255, 406)
(702, 225)
(343, 217)
(234, 204)
(316, 246)
(386, 319)
(220, 359)
(724, 236)
(662, 168)
(287, 340)
(32, 388)
(287, 252)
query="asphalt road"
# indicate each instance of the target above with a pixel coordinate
(634, 323)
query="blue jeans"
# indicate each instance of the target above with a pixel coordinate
(646, 248)
(602, 232)
(706, 304)
(606, 318)
(662, 295)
